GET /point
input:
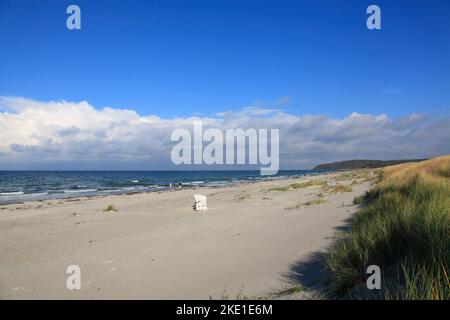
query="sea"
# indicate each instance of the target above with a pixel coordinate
(21, 186)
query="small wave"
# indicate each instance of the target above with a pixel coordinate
(80, 191)
(37, 194)
(135, 181)
(220, 182)
(108, 190)
(6, 194)
(192, 183)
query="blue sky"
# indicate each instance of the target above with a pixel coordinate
(178, 58)
(109, 96)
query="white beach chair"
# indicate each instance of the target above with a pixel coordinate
(200, 202)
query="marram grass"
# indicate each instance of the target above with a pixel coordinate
(404, 229)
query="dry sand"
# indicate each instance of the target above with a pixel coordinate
(251, 242)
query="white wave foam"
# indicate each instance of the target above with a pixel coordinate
(7, 194)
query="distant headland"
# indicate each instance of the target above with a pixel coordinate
(361, 164)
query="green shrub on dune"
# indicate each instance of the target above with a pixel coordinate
(405, 229)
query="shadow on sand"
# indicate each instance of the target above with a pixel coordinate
(311, 272)
(311, 275)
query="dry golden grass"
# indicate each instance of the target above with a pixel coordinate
(434, 170)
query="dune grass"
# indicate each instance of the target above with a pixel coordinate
(308, 203)
(359, 200)
(404, 229)
(280, 189)
(110, 208)
(339, 188)
(302, 185)
(242, 197)
(314, 183)
(356, 174)
(298, 185)
(314, 202)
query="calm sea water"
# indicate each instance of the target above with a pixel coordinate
(19, 186)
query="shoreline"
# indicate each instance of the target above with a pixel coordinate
(154, 246)
(81, 194)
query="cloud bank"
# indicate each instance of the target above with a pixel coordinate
(75, 135)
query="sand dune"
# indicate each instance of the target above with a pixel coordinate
(252, 241)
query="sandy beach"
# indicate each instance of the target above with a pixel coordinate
(253, 241)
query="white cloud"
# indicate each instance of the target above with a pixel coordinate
(62, 134)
